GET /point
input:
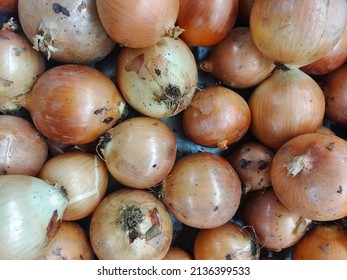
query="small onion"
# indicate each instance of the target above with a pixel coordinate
(226, 242)
(202, 190)
(68, 31)
(206, 23)
(131, 224)
(31, 212)
(70, 243)
(176, 253)
(308, 174)
(217, 117)
(74, 104)
(84, 177)
(139, 152)
(139, 27)
(323, 242)
(23, 150)
(158, 81)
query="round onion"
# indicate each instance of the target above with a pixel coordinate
(308, 174)
(286, 104)
(237, 62)
(20, 67)
(158, 81)
(297, 33)
(206, 23)
(31, 212)
(8, 6)
(70, 243)
(74, 104)
(217, 117)
(23, 150)
(176, 253)
(323, 242)
(202, 190)
(130, 224)
(84, 177)
(139, 152)
(68, 31)
(141, 27)
(226, 242)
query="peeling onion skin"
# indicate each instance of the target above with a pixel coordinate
(308, 174)
(72, 29)
(130, 224)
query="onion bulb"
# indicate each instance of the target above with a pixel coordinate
(130, 224)
(31, 212)
(84, 177)
(177, 253)
(23, 150)
(157, 81)
(308, 174)
(297, 33)
(67, 31)
(74, 104)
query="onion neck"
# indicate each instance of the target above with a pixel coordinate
(44, 41)
(299, 164)
(174, 32)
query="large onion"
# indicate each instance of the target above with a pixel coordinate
(158, 81)
(69, 31)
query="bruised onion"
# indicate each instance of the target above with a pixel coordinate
(23, 150)
(158, 81)
(308, 174)
(31, 212)
(68, 31)
(74, 104)
(130, 224)
(139, 152)
(217, 117)
(202, 190)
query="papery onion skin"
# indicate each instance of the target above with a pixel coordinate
(158, 81)
(140, 152)
(323, 242)
(237, 62)
(206, 23)
(217, 117)
(308, 174)
(23, 150)
(67, 31)
(31, 212)
(130, 224)
(294, 33)
(74, 104)
(141, 27)
(85, 180)
(286, 104)
(20, 67)
(202, 190)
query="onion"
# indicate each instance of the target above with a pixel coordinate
(206, 23)
(19, 69)
(68, 31)
(84, 177)
(252, 163)
(275, 226)
(325, 130)
(8, 6)
(74, 104)
(226, 242)
(323, 242)
(139, 152)
(31, 211)
(141, 27)
(23, 150)
(158, 81)
(202, 190)
(217, 117)
(130, 224)
(308, 174)
(294, 33)
(286, 104)
(70, 243)
(237, 62)
(176, 253)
